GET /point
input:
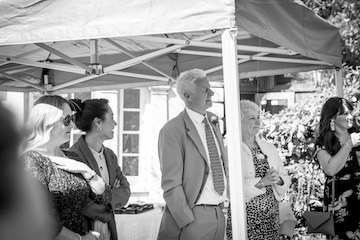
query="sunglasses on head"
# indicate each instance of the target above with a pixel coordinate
(66, 121)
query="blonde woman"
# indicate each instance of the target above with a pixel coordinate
(266, 179)
(66, 183)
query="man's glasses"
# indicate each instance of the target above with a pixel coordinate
(66, 121)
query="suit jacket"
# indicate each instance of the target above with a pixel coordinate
(184, 169)
(119, 195)
(274, 161)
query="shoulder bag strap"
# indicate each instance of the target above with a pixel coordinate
(333, 193)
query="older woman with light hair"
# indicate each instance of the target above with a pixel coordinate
(66, 183)
(266, 179)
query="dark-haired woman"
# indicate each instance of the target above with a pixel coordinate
(65, 183)
(95, 118)
(336, 155)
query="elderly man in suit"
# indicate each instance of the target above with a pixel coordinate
(192, 161)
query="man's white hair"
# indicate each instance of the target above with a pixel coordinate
(186, 78)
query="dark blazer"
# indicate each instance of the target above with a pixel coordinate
(184, 171)
(119, 195)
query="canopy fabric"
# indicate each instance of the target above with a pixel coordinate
(292, 25)
(85, 45)
(59, 46)
(24, 22)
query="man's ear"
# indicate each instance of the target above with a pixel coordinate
(186, 95)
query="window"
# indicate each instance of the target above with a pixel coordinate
(274, 102)
(274, 106)
(130, 109)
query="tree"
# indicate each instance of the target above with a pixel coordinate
(343, 14)
(293, 131)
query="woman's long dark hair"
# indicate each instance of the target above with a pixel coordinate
(333, 106)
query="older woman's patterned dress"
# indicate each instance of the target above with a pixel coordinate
(262, 211)
(66, 192)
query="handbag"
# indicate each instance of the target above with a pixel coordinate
(287, 219)
(322, 222)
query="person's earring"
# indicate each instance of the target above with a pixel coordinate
(332, 125)
(99, 128)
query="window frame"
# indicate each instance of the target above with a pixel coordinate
(121, 132)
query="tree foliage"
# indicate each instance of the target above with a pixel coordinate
(293, 131)
(343, 14)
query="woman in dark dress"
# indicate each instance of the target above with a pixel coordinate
(66, 183)
(337, 157)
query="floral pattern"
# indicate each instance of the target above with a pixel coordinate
(214, 119)
(67, 192)
(262, 212)
(347, 199)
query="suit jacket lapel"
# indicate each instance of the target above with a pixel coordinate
(89, 157)
(193, 134)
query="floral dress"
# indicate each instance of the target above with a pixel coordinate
(262, 212)
(66, 192)
(347, 198)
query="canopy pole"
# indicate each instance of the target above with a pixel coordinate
(233, 126)
(94, 52)
(339, 82)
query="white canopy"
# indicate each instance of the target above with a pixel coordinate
(85, 45)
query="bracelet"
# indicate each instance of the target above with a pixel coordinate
(347, 146)
(93, 175)
(79, 236)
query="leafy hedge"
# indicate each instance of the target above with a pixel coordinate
(293, 132)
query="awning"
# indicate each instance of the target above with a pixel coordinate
(86, 45)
